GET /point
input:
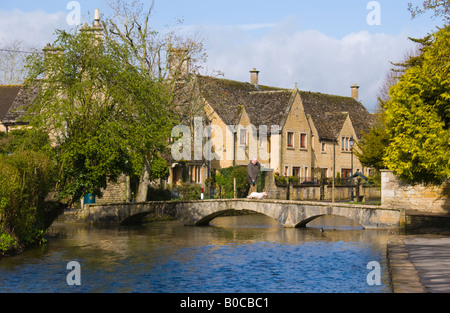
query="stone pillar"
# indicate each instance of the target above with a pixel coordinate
(269, 184)
(388, 182)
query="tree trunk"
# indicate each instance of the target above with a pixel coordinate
(144, 183)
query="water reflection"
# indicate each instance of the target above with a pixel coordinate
(237, 254)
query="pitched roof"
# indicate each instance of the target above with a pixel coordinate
(264, 105)
(269, 105)
(329, 112)
(8, 94)
(22, 101)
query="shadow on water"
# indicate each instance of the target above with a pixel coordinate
(325, 228)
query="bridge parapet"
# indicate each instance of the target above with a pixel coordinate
(288, 213)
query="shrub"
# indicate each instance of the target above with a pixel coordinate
(188, 191)
(281, 180)
(225, 181)
(26, 178)
(7, 244)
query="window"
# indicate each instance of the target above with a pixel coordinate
(198, 174)
(296, 171)
(306, 173)
(303, 143)
(345, 144)
(195, 174)
(323, 147)
(243, 137)
(346, 173)
(290, 140)
(286, 171)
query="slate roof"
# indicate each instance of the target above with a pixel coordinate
(8, 94)
(329, 112)
(22, 101)
(269, 106)
(264, 105)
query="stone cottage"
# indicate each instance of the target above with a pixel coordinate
(293, 132)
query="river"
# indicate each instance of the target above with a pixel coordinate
(242, 254)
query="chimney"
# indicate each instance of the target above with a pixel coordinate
(49, 53)
(97, 18)
(355, 92)
(96, 29)
(254, 77)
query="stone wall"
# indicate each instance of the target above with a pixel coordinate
(115, 192)
(420, 198)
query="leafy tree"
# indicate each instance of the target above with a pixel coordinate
(373, 145)
(168, 57)
(417, 117)
(26, 140)
(106, 118)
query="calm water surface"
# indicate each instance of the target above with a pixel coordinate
(238, 254)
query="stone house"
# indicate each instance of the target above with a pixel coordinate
(14, 101)
(290, 131)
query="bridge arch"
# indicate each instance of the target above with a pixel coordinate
(230, 212)
(304, 223)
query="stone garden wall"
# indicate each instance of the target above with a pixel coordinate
(420, 198)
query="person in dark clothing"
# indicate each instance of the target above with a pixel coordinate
(252, 174)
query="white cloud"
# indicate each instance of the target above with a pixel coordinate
(33, 28)
(314, 60)
(283, 52)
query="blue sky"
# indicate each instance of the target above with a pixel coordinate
(324, 46)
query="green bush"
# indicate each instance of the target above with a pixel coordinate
(26, 178)
(225, 182)
(281, 180)
(7, 244)
(188, 191)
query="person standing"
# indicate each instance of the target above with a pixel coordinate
(252, 174)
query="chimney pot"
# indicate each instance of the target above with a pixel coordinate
(254, 77)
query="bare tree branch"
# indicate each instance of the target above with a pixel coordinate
(13, 57)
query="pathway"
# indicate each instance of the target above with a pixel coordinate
(420, 264)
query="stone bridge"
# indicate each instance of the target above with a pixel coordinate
(288, 213)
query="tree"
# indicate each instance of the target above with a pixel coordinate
(104, 115)
(166, 58)
(12, 62)
(417, 117)
(373, 144)
(440, 8)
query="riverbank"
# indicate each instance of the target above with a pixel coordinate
(420, 263)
